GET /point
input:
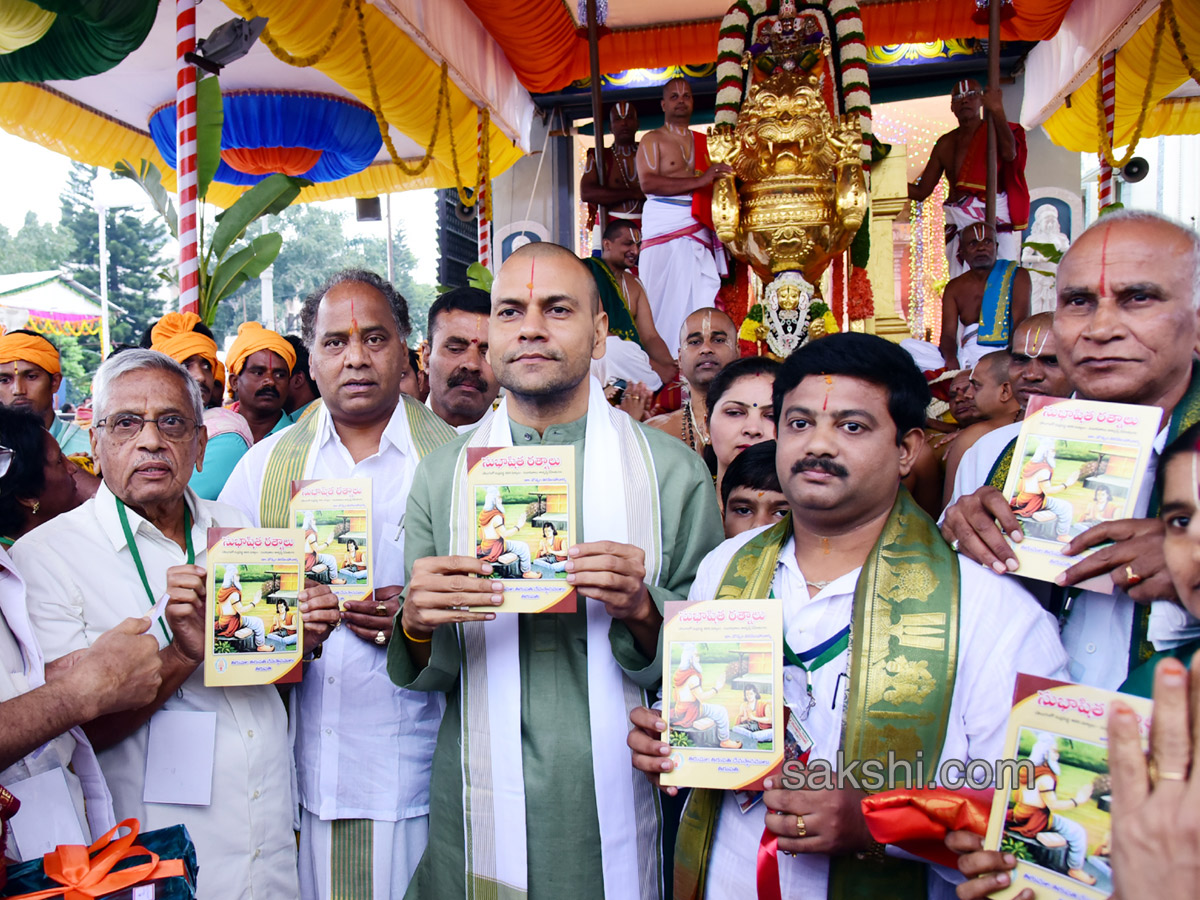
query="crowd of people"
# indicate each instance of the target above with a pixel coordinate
(434, 748)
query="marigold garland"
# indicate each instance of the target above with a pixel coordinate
(1168, 10)
(1106, 146)
(302, 62)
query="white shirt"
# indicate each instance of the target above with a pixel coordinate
(82, 581)
(1002, 631)
(364, 747)
(1100, 626)
(461, 429)
(21, 671)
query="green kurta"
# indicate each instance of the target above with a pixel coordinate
(562, 831)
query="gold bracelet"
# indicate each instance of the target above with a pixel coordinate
(413, 639)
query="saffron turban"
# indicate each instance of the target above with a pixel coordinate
(173, 335)
(30, 348)
(251, 338)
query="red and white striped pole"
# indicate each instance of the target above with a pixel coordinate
(185, 156)
(1108, 93)
(481, 197)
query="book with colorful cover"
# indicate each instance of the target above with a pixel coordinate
(1059, 828)
(254, 633)
(723, 692)
(524, 521)
(1076, 464)
(335, 516)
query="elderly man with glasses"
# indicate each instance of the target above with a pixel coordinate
(144, 535)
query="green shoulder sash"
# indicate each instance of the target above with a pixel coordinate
(903, 660)
(620, 319)
(289, 457)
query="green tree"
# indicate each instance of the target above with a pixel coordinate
(135, 256)
(79, 364)
(36, 247)
(315, 246)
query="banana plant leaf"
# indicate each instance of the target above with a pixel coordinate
(149, 179)
(270, 196)
(210, 120)
(249, 262)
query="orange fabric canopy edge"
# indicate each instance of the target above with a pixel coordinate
(547, 52)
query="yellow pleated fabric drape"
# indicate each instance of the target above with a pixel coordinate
(407, 79)
(1075, 127)
(22, 23)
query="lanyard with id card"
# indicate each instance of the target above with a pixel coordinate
(181, 746)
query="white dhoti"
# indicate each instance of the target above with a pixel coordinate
(971, 210)
(969, 349)
(625, 359)
(359, 858)
(681, 273)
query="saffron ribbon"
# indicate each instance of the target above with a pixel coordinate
(85, 873)
(767, 867)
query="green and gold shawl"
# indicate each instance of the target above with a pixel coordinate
(903, 660)
(620, 319)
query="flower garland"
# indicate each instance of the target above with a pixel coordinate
(1106, 146)
(1168, 10)
(302, 62)
(483, 174)
(853, 92)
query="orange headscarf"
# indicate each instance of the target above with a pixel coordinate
(173, 335)
(30, 348)
(251, 338)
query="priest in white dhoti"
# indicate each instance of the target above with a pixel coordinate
(894, 649)
(681, 259)
(533, 792)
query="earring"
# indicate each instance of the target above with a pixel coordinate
(37, 504)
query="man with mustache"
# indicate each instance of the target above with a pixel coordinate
(634, 352)
(856, 551)
(461, 384)
(143, 537)
(1126, 328)
(709, 344)
(533, 789)
(682, 261)
(260, 364)
(1033, 371)
(29, 378)
(363, 746)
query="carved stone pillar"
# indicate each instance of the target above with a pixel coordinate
(889, 198)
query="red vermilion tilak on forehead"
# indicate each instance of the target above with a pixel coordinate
(532, 264)
(353, 318)
(828, 390)
(1103, 259)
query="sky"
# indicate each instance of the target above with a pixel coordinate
(32, 177)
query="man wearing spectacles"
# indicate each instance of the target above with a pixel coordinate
(962, 155)
(145, 534)
(30, 375)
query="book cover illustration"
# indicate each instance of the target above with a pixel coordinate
(1076, 464)
(335, 516)
(253, 630)
(1052, 809)
(525, 520)
(723, 692)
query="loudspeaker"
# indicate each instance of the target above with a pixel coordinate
(1135, 170)
(367, 209)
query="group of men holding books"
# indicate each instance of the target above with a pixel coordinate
(440, 749)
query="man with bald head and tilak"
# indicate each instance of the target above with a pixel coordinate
(681, 259)
(996, 401)
(1126, 329)
(961, 155)
(549, 694)
(708, 343)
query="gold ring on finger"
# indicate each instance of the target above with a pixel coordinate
(1131, 577)
(381, 609)
(801, 829)
(1157, 774)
